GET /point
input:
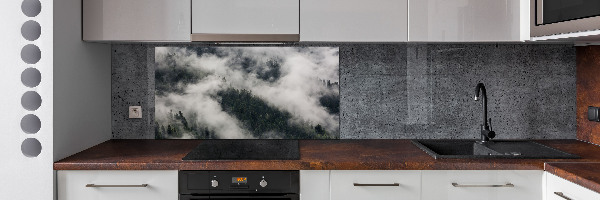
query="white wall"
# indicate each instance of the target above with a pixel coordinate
(24, 177)
(75, 78)
(82, 84)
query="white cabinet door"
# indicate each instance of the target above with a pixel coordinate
(117, 185)
(375, 185)
(354, 20)
(246, 17)
(468, 20)
(561, 189)
(482, 184)
(314, 185)
(136, 20)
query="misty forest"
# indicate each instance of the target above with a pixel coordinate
(247, 93)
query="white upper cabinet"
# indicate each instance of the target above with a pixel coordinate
(136, 20)
(245, 20)
(468, 20)
(307, 20)
(354, 20)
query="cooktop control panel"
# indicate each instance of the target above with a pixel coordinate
(214, 182)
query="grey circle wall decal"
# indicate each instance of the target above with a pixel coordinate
(31, 8)
(31, 124)
(31, 30)
(31, 54)
(31, 77)
(31, 147)
(31, 100)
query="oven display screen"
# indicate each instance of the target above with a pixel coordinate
(239, 180)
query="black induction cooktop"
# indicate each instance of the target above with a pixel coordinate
(245, 150)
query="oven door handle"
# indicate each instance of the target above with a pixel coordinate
(194, 197)
(99, 186)
(376, 184)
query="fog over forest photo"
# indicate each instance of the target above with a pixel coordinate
(247, 93)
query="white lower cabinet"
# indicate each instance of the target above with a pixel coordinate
(375, 185)
(340, 185)
(561, 189)
(117, 185)
(482, 184)
(314, 184)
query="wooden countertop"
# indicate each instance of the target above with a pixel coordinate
(314, 155)
(332, 155)
(581, 173)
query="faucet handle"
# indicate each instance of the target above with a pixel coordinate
(491, 134)
(491, 124)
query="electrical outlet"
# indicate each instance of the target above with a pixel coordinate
(135, 112)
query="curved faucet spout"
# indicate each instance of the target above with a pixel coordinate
(481, 87)
(486, 133)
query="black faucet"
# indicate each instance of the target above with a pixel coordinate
(486, 129)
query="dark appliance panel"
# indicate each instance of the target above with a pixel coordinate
(554, 11)
(187, 182)
(282, 197)
(231, 185)
(250, 149)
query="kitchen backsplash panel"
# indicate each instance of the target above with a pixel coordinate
(405, 91)
(588, 85)
(246, 93)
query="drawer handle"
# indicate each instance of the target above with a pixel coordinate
(505, 185)
(377, 185)
(94, 185)
(560, 194)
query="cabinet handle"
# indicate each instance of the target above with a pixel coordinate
(505, 185)
(560, 194)
(361, 184)
(94, 185)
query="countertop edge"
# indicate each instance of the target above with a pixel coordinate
(578, 179)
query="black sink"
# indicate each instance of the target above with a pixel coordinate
(492, 149)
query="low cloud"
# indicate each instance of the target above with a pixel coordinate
(291, 79)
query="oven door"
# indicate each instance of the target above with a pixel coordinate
(236, 197)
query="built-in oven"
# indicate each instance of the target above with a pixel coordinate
(553, 17)
(234, 185)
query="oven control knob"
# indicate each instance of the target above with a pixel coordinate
(263, 183)
(214, 183)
